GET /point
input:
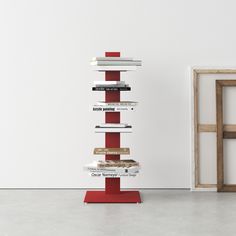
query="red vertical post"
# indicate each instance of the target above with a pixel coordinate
(112, 140)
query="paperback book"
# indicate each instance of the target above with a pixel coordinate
(100, 129)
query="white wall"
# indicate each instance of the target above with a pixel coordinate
(46, 128)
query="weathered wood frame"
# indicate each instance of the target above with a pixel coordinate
(221, 135)
(198, 128)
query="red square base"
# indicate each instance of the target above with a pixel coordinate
(122, 197)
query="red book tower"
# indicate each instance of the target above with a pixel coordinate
(112, 193)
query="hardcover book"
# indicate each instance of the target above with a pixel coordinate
(111, 151)
(113, 108)
(117, 163)
(92, 168)
(122, 103)
(112, 59)
(109, 83)
(112, 175)
(124, 88)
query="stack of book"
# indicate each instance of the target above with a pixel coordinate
(113, 128)
(115, 63)
(111, 86)
(113, 168)
(114, 106)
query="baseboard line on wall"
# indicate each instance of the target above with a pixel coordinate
(90, 188)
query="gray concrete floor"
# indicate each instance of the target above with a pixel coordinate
(163, 213)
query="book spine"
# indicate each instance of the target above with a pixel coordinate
(112, 59)
(116, 104)
(113, 126)
(100, 165)
(114, 171)
(111, 153)
(114, 68)
(111, 85)
(113, 109)
(110, 175)
(115, 63)
(88, 168)
(111, 89)
(116, 130)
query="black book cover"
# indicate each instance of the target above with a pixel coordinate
(111, 88)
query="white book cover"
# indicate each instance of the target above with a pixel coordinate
(116, 63)
(118, 171)
(111, 175)
(112, 58)
(113, 108)
(93, 168)
(114, 68)
(122, 103)
(104, 83)
(113, 130)
(115, 125)
(113, 86)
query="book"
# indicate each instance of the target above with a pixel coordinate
(112, 58)
(111, 88)
(111, 151)
(114, 125)
(99, 129)
(114, 68)
(116, 63)
(119, 170)
(112, 175)
(117, 163)
(109, 83)
(131, 170)
(122, 103)
(94, 168)
(113, 108)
